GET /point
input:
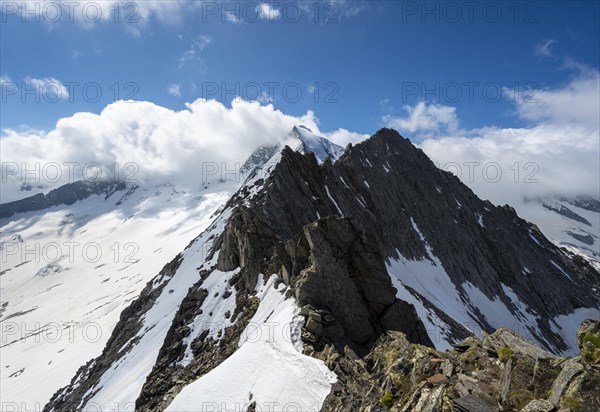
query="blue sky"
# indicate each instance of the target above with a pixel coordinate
(367, 61)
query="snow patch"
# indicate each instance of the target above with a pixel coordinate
(216, 311)
(334, 202)
(268, 368)
(480, 219)
(321, 147)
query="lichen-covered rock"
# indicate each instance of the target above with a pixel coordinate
(401, 376)
(588, 327)
(569, 370)
(538, 405)
(588, 340)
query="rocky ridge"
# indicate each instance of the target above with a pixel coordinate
(64, 195)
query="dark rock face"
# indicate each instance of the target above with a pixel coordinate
(586, 202)
(568, 213)
(64, 195)
(386, 186)
(344, 275)
(585, 238)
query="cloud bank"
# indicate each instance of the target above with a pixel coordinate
(556, 155)
(163, 145)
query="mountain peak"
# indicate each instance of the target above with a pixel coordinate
(320, 146)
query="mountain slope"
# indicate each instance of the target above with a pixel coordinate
(572, 223)
(379, 241)
(64, 195)
(70, 269)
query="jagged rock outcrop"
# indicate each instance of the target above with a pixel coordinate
(339, 271)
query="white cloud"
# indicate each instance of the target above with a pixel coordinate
(559, 154)
(202, 41)
(199, 43)
(575, 103)
(5, 80)
(89, 13)
(231, 17)
(267, 12)
(424, 118)
(174, 89)
(548, 159)
(265, 98)
(543, 48)
(168, 146)
(49, 87)
(343, 137)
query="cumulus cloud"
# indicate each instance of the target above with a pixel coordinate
(510, 165)
(264, 97)
(163, 145)
(557, 155)
(231, 17)
(424, 119)
(268, 12)
(557, 152)
(174, 89)
(344, 137)
(575, 103)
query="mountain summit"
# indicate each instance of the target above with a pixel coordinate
(321, 147)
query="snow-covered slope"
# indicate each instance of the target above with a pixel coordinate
(426, 284)
(268, 369)
(321, 147)
(570, 223)
(135, 360)
(122, 382)
(69, 271)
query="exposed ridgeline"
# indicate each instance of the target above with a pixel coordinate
(427, 225)
(377, 243)
(64, 195)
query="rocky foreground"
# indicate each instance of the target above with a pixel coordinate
(501, 372)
